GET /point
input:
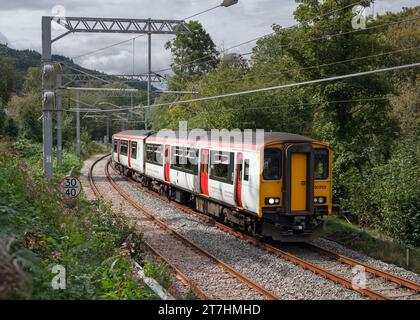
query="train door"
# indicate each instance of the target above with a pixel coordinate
(167, 162)
(118, 146)
(204, 172)
(238, 182)
(298, 181)
(129, 153)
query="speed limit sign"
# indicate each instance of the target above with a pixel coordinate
(71, 187)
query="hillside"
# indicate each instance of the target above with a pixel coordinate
(24, 59)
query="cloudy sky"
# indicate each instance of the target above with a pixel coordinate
(20, 26)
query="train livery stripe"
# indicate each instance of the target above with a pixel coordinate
(207, 144)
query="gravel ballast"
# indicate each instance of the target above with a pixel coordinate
(277, 275)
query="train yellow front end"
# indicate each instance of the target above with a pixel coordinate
(295, 188)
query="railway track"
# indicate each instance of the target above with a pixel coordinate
(380, 285)
(207, 276)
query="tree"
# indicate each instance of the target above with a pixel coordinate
(194, 54)
(7, 79)
(10, 128)
(33, 80)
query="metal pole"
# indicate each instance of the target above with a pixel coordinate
(47, 97)
(59, 106)
(78, 123)
(108, 138)
(149, 76)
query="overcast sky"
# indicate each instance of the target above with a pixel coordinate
(20, 26)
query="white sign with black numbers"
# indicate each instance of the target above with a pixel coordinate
(71, 187)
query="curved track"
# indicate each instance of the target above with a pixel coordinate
(207, 276)
(380, 285)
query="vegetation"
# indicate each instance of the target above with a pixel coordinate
(41, 229)
(372, 243)
(371, 122)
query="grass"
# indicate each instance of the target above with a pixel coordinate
(39, 229)
(371, 243)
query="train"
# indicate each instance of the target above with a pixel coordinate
(276, 187)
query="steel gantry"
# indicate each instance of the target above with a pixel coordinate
(106, 78)
(92, 25)
(119, 91)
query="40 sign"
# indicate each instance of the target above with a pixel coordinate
(71, 187)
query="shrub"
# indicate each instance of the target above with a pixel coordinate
(386, 196)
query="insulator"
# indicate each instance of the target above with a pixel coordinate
(48, 96)
(47, 70)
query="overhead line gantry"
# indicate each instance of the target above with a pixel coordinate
(91, 25)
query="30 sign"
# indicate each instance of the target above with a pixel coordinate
(71, 187)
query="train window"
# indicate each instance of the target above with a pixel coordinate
(123, 147)
(154, 153)
(221, 164)
(185, 159)
(133, 149)
(321, 163)
(191, 164)
(272, 164)
(115, 146)
(246, 170)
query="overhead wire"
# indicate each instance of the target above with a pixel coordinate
(289, 85)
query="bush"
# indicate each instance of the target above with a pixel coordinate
(386, 196)
(52, 230)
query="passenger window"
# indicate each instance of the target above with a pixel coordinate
(133, 149)
(221, 166)
(185, 159)
(115, 146)
(272, 164)
(246, 170)
(321, 163)
(124, 147)
(154, 153)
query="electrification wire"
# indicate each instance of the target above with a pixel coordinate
(266, 89)
(136, 37)
(205, 11)
(265, 35)
(312, 104)
(324, 37)
(247, 77)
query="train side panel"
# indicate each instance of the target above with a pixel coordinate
(137, 155)
(221, 176)
(250, 181)
(154, 167)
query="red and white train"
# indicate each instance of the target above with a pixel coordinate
(279, 188)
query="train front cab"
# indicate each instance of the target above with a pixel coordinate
(295, 189)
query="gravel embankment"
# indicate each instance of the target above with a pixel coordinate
(203, 271)
(387, 267)
(277, 275)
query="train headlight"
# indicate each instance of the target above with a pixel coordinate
(320, 199)
(272, 201)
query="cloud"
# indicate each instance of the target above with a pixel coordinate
(3, 39)
(228, 26)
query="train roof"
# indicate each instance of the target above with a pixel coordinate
(269, 137)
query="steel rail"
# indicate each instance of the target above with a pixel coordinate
(242, 278)
(292, 258)
(181, 276)
(377, 272)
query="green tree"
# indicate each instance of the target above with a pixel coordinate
(7, 79)
(11, 129)
(33, 80)
(194, 54)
